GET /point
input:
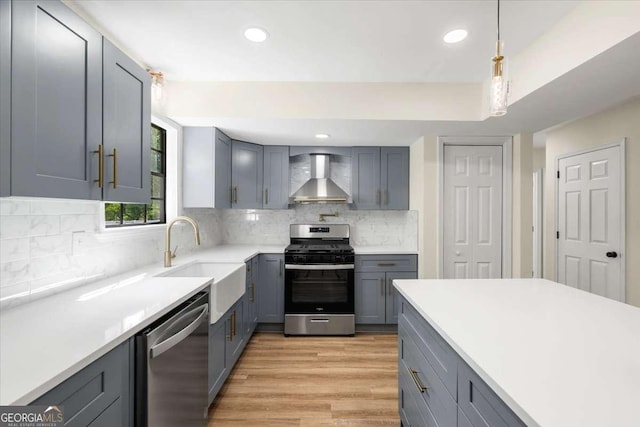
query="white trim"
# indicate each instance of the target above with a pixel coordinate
(538, 223)
(507, 176)
(623, 202)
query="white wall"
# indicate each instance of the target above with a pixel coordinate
(522, 243)
(598, 130)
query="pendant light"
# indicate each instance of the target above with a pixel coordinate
(499, 85)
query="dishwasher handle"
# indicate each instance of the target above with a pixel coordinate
(176, 338)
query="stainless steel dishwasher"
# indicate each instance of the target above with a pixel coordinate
(172, 367)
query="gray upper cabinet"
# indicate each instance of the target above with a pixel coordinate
(246, 175)
(207, 168)
(5, 98)
(126, 128)
(56, 102)
(380, 177)
(394, 178)
(365, 170)
(76, 111)
(276, 177)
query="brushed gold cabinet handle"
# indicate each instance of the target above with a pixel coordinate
(235, 194)
(231, 194)
(252, 298)
(115, 168)
(100, 153)
(233, 323)
(386, 264)
(230, 336)
(266, 196)
(414, 375)
(378, 197)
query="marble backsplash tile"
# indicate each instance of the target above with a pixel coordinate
(48, 246)
(368, 228)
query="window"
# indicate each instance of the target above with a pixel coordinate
(126, 214)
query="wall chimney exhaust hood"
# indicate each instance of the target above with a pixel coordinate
(319, 188)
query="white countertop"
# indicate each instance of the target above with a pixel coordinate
(556, 355)
(46, 341)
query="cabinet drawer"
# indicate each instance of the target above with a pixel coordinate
(413, 411)
(440, 355)
(89, 393)
(373, 263)
(482, 407)
(440, 404)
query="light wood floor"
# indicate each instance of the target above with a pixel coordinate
(312, 381)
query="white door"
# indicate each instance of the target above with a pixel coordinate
(472, 212)
(590, 222)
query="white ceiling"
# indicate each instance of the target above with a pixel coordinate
(361, 41)
(343, 41)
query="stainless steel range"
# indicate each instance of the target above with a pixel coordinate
(319, 283)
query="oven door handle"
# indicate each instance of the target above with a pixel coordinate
(319, 266)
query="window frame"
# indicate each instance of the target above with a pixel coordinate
(146, 206)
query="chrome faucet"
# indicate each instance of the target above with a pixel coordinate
(167, 237)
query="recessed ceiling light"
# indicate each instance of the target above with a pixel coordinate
(455, 36)
(322, 135)
(256, 35)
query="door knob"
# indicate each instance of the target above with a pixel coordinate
(612, 254)
(457, 253)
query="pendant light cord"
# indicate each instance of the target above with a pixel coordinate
(498, 20)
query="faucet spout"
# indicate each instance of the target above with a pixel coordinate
(167, 236)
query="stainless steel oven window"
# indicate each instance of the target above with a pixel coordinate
(320, 286)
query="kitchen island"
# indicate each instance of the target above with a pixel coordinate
(525, 351)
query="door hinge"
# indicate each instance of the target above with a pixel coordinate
(558, 174)
(557, 234)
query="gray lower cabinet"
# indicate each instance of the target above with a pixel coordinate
(271, 289)
(218, 370)
(56, 102)
(206, 175)
(376, 300)
(276, 177)
(126, 128)
(227, 340)
(251, 300)
(380, 178)
(436, 387)
(246, 175)
(100, 394)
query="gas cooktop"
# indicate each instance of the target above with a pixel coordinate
(304, 248)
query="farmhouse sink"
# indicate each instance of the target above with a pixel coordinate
(229, 283)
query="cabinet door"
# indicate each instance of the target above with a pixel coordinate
(394, 178)
(5, 98)
(271, 289)
(365, 169)
(236, 341)
(126, 128)
(87, 394)
(222, 171)
(246, 175)
(218, 333)
(253, 311)
(206, 171)
(370, 297)
(392, 306)
(56, 102)
(276, 177)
